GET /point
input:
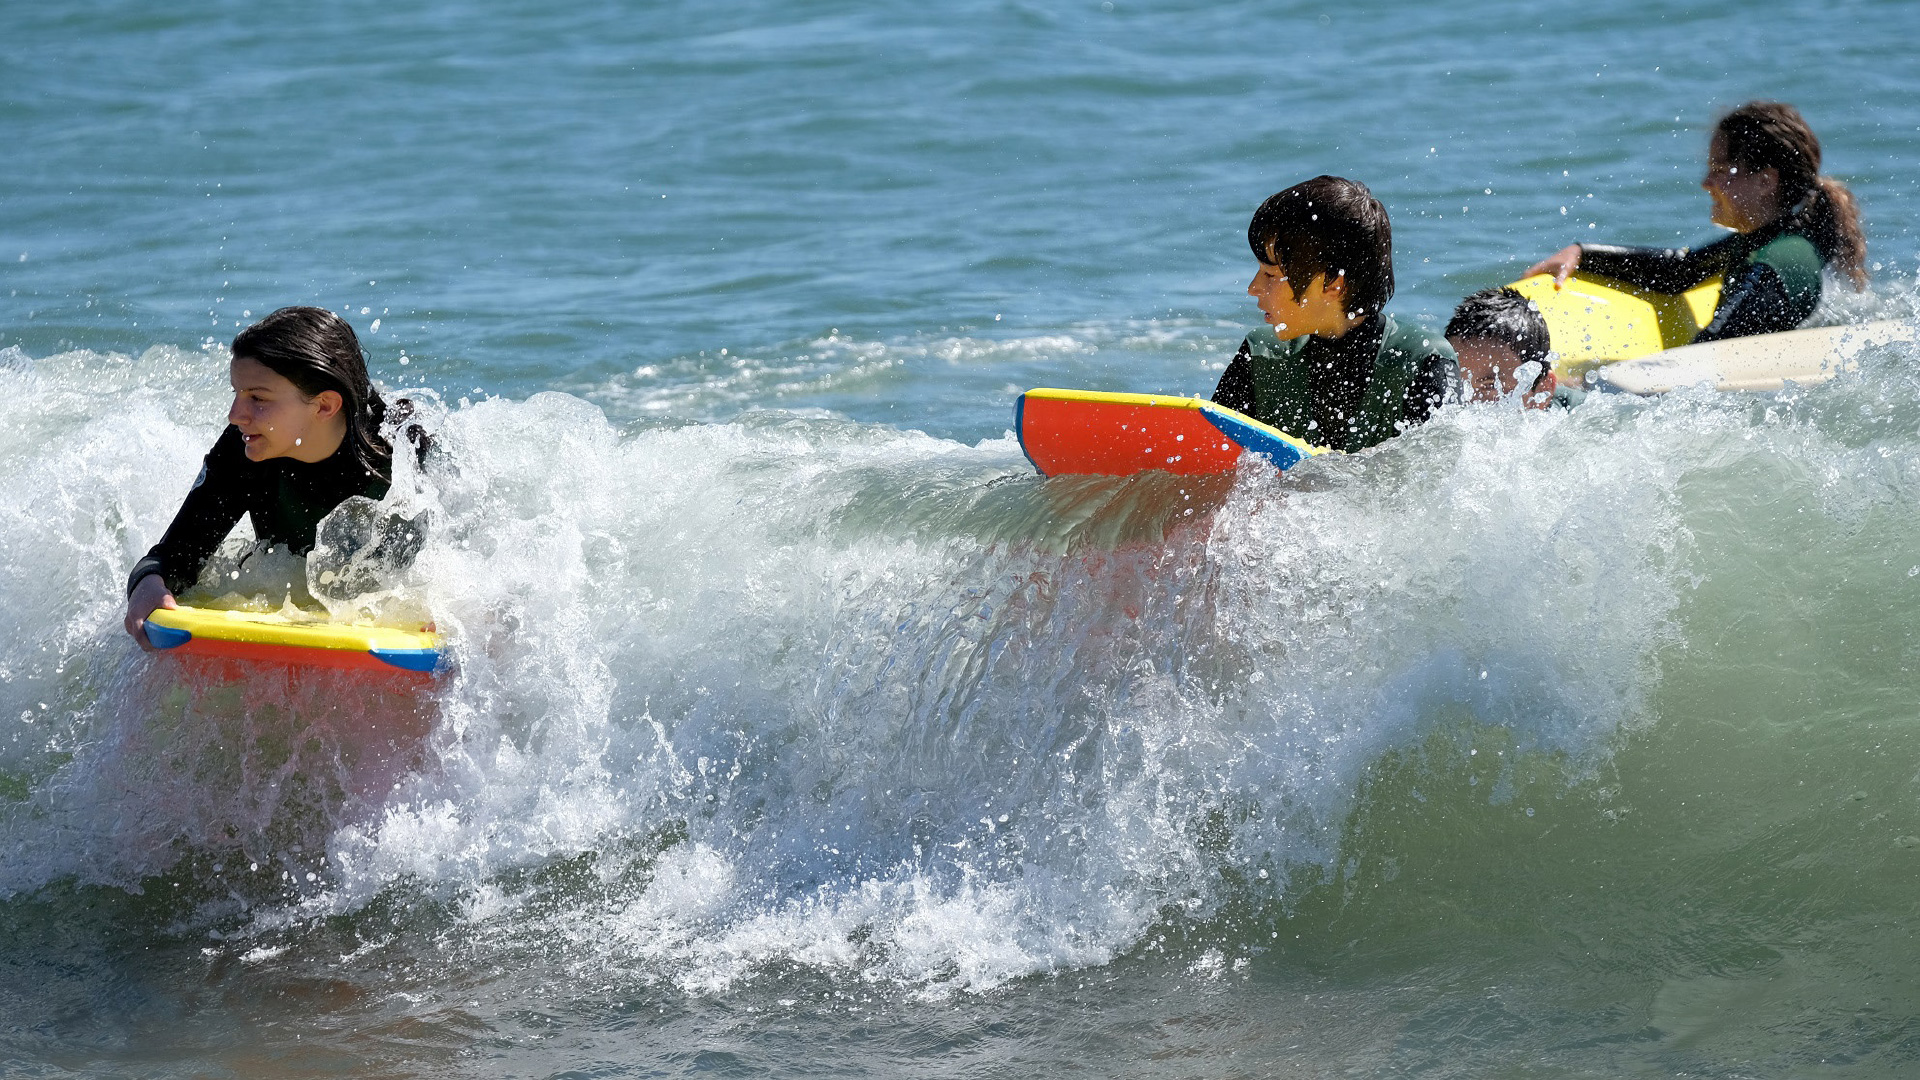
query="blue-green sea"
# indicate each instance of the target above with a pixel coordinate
(793, 725)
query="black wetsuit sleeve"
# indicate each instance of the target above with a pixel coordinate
(1235, 390)
(210, 511)
(1433, 379)
(1667, 270)
(1754, 302)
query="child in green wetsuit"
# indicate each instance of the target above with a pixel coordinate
(1789, 222)
(1331, 367)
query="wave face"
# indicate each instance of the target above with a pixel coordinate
(794, 726)
(800, 701)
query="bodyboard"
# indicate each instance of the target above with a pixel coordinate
(1759, 363)
(1090, 432)
(1596, 320)
(275, 638)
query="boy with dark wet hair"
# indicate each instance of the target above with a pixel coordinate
(1495, 333)
(1331, 367)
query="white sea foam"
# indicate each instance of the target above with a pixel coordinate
(800, 691)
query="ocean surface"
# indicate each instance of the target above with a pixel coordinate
(795, 727)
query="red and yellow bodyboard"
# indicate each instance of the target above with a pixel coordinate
(1090, 432)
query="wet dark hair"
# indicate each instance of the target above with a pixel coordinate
(1505, 316)
(1772, 135)
(317, 351)
(1333, 226)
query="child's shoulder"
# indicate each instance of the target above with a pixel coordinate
(1787, 247)
(1403, 337)
(1409, 338)
(1794, 258)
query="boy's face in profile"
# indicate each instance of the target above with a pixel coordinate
(1321, 308)
(1491, 371)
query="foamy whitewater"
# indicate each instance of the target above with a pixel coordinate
(792, 724)
(791, 678)
(793, 697)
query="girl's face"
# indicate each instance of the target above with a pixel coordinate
(1743, 199)
(277, 420)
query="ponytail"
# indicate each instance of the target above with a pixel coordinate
(1834, 226)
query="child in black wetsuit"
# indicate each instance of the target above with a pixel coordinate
(303, 436)
(1763, 174)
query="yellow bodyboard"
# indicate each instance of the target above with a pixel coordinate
(1596, 320)
(273, 636)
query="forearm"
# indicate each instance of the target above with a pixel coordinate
(213, 506)
(1667, 270)
(181, 554)
(149, 564)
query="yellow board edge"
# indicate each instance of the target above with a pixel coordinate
(1165, 401)
(271, 628)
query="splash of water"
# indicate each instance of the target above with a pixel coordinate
(795, 690)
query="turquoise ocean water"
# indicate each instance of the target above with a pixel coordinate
(795, 726)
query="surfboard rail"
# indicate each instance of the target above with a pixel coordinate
(1760, 363)
(1068, 432)
(274, 638)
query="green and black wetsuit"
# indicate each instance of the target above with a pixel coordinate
(1348, 393)
(1771, 276)
(286, 499)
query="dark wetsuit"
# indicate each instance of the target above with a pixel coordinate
(286, 499)
(1771, 276)
(1348, 393)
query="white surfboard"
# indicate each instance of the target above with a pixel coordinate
(1761, 362)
